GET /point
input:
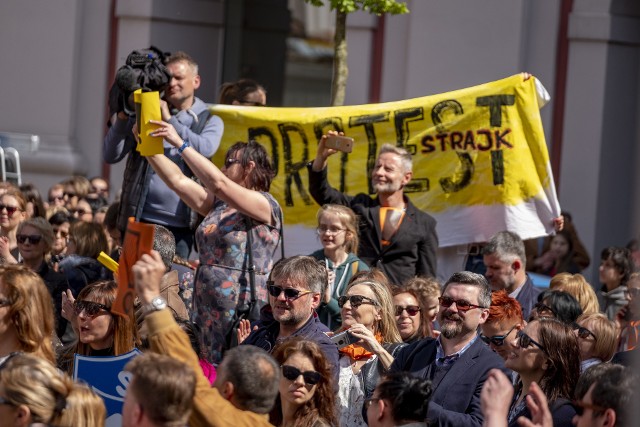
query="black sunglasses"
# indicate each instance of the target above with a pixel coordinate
(230, 161)
(541, 308)
(80, 212)
(5, 401)
(525, 341)
(355, 300)
(34, 239)
(411, 310)
(5, 302)
(461, 304)
(497, 340)
(292, 373)
(584, 332)
(90, 308)
(10, 209)
(289, 293)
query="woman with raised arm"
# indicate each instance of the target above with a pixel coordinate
(242, 221)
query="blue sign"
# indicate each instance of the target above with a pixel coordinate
(107, 378)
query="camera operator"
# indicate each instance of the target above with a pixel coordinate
(144, 195)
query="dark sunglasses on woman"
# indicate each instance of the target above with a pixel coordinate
(412, 310)
(583, 332)
(525, 341)
(497, 340)
(34, 239)
(90, 308)
(292, 373)
(355, 300)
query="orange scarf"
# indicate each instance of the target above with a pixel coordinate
(357, 352)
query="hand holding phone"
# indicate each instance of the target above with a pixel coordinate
(340, 143)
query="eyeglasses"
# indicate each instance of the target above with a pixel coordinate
(356, 300)
(461, 304)
(583, 332)
(10, 209)
(34, 239)
(5, 302)
(329, 230)
(581, 406)
(69, 195)
(368, 402)
(292, 373)
(230, 161)
(90, 308)
(497, 340)
(543, 308)
(55, 198)
(525, 341)
(411, 310)
(289, 293)
(633, 292)
(62, 233)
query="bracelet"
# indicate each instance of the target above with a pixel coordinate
(185, 145)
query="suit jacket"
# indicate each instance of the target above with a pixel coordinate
(528, 297)
(412, 250)
(456, 398)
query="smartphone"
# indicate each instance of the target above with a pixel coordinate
(340, 143)
(343, 339)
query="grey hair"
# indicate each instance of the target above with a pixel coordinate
(475, 280)
(405, 157)
(507, 246)
(255, 376)
(165, 243)
(301, 270)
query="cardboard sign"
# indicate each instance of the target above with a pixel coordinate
(138, 240)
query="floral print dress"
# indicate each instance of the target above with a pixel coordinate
(222, 279)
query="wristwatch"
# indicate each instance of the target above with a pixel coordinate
(157, 303)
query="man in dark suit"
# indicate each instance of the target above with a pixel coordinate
(457, 362)
(395, 236)
(506, 261)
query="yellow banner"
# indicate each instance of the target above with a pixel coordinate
(482, 146)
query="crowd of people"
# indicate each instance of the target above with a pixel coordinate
(358, 332)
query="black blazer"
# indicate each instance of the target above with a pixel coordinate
(412, 250)
(456, 399)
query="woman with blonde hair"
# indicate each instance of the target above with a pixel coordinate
(13, 207)
(373, 340)
(34, 391)
(307, 392)
(597, 338)
(338, 234)
(577, 286)
(26, 314)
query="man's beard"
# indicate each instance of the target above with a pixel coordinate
(452, 328)
(386, 188)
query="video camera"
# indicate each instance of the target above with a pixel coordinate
(144, 69)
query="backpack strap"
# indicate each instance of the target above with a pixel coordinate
(198, 126)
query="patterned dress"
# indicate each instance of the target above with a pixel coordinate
(222, 279)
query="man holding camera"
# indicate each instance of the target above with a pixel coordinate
(144, 195)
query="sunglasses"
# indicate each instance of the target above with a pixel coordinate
(55, 198)
(5, 401)
(355, 300)
(63, 234)
(411, 310)
(230, 161)
(368, 402)
(292, 373)
(10, 209)
(252, 103)
(461, 304)
(80, 212)
(583, 332)
(541, 308)
(525, 341)
(34, 239)
(634, 292)
(90, 308)
(497, 340)
(69, 195)
(289, 293)
(5, 302)
(581, 406)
